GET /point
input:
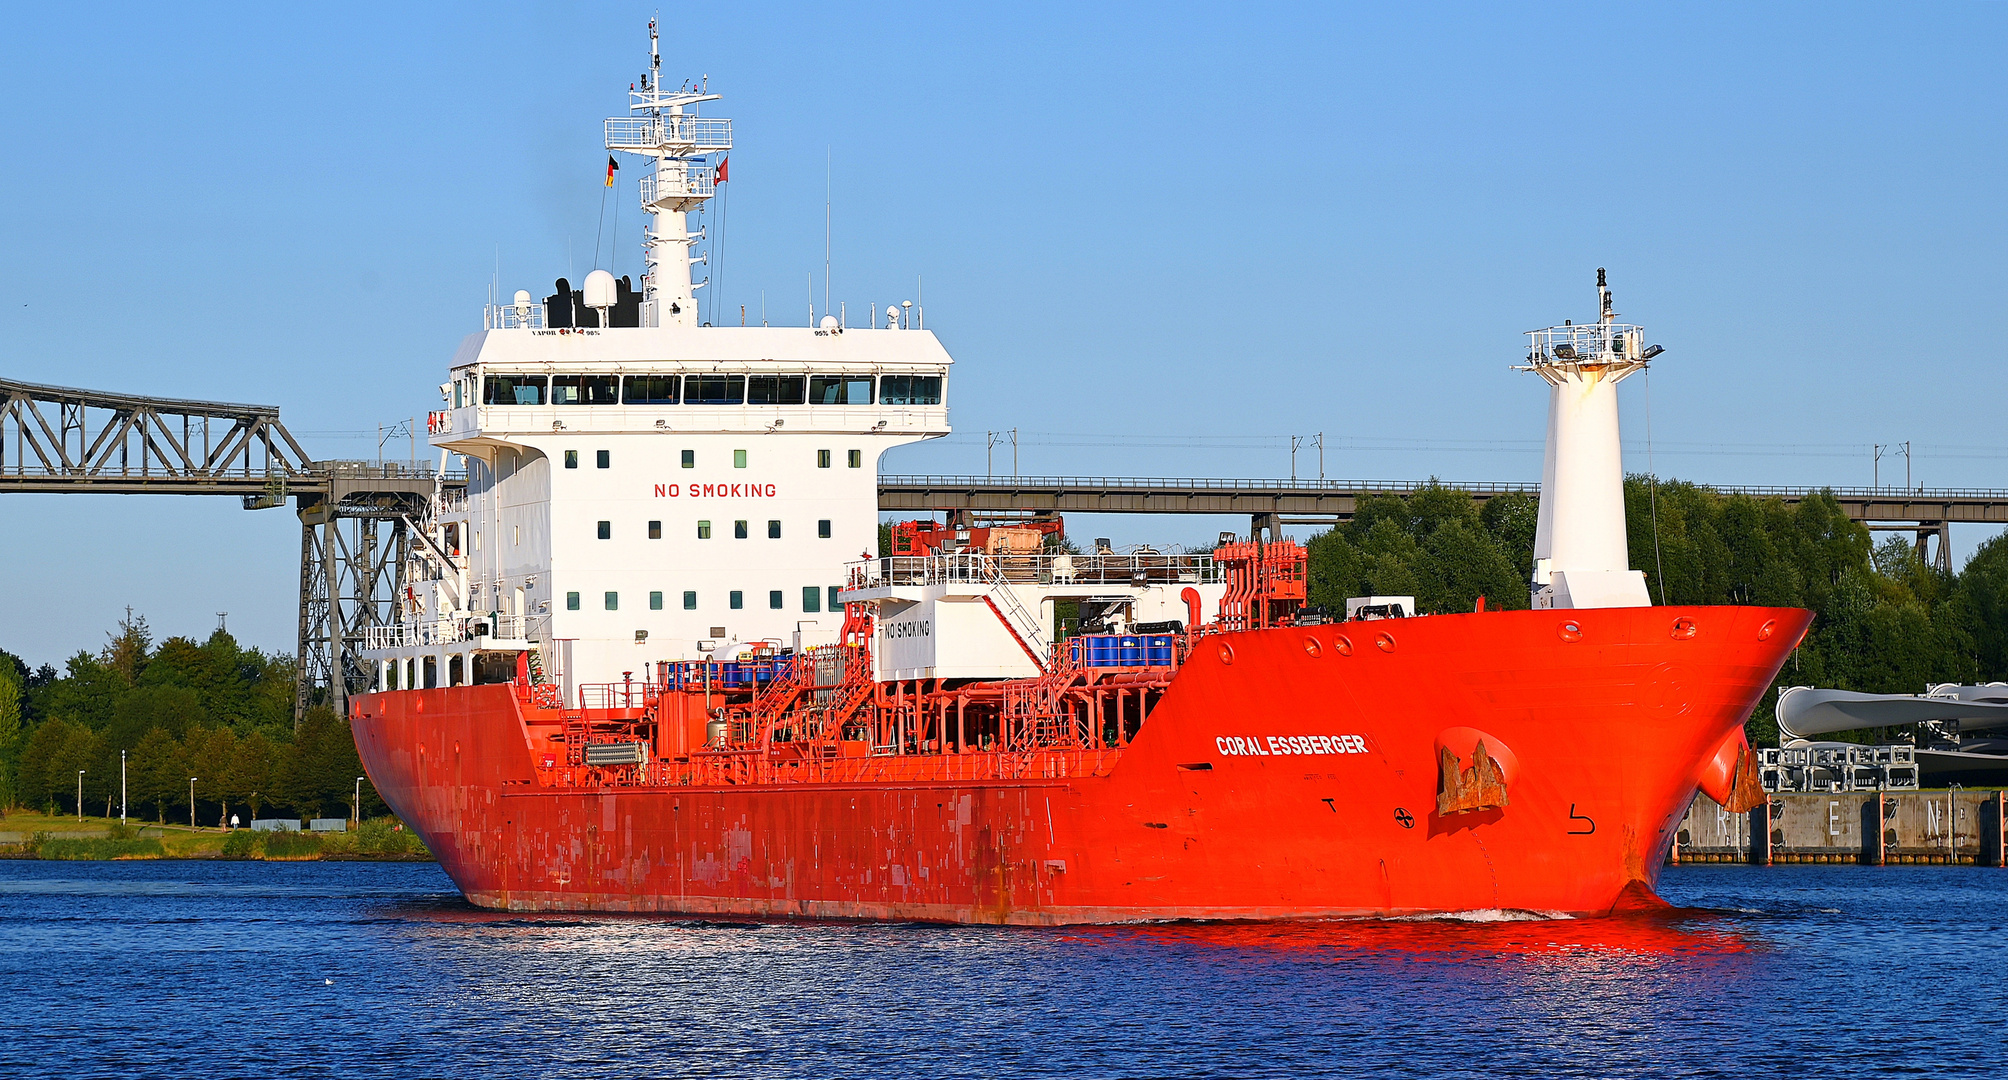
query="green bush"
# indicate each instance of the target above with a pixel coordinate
(101, 848)
(379, 836)
(240, 844)
(292, 845)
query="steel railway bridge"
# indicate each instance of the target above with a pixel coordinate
(356, 517)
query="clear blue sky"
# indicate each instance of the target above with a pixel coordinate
(1158, 239)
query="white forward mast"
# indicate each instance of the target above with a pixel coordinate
(664, 125)
(1580, 556)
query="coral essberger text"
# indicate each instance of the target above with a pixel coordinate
(1274, 745)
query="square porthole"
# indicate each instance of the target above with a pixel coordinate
(855, 459)
(738, 459)
(835, 605)
(655, 601)
(606, 459)
(775, 599)
(571, 459)
(822, 459)
(773, 530)
(606, 530)
(704, 530)
(823, 529)
(735, 600)
(571, 601)
(690, 459)
(812, 599)
(655, 530)
(739, 530)
(613, 601)
(689, 600)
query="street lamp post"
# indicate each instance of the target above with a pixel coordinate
(358, 807)
(122, 787)
(80, 794)
(191, 801)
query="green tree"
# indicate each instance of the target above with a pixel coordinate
(213, 756)
(1980, 603)
(88, 693)
(127, 652)
(41, 757)
(82, 751)
(253, 770)
(11, 678)
(159, 776)
(317, 772)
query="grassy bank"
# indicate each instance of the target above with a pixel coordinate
(38, 836)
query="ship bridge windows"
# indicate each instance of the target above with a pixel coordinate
(840, 390)
(776, 389)
(513, 390)
(650, 389)
(585, 390)
(910, 390)
(714, 389)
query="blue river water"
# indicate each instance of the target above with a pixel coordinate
(201, 969)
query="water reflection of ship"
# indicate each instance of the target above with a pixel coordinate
(1956, 735)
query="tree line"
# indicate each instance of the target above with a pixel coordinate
(212, 710)
(1884, 620)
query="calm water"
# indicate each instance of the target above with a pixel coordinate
(215, 969)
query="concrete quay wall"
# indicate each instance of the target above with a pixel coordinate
(1868, 827)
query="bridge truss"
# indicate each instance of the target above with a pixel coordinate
(353, 515)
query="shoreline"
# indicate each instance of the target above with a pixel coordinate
(47, 838)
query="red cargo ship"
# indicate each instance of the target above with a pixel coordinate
(928, 735)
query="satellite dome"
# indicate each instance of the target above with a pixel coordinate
(598, 291)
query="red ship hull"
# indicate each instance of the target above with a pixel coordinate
(1287, 772)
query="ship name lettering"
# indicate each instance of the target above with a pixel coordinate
(1285, 745)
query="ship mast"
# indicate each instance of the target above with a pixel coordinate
(664, 125)
(1580, 555)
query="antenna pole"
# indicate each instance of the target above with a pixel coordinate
(826, 227)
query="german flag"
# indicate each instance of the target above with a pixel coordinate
(612, 167)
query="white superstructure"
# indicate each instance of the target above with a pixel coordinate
(658, 490)
(1580, 555)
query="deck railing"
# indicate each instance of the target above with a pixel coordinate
(1133, 568)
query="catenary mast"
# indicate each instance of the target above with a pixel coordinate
(664, 125)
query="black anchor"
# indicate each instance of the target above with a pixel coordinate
(1406, 819)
